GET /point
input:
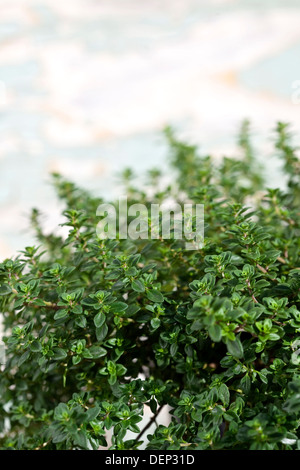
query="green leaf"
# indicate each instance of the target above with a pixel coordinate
(97, 351)
(81, 321)
(81, 440)
(77, 309)
(112, 379)
(99, 319)
(111, 367)
(76, 359)
(5, 289)
(62, 313)
(173, 349)
(155, 323)
(92, 413)
(292, 405)
(235, 348)
(39, 302)
(153, 405)
(245, 384)
(87, 354)
(35, 346)
(59, 354)
(118, 307)
(23, 358)
(224, 394)
(121, 370)
(215, 332)
(138, 286)
(263, 375)
(155, 296)
(59, 436)
(273, 337)
(101, 332)
(132, 310)
(61, 411)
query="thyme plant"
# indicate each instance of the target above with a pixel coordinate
(95, 329)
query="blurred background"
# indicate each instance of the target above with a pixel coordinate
(86, 87)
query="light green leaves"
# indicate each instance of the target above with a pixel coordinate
(113, 370)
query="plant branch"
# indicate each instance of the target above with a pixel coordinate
(150, 422)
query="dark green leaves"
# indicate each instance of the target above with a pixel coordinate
(97, 351)
(224, 394)
(101, 332)
(5, 289)
(23, 358)
(35, 346)
(60, 314)
(155, 296)
(97, 329)
(245, 384)
(59, 354)
(138, 285)
(215, 332)
(235, 348)
(99, 319)
(292, 404)
(92, 413)
(118, 307)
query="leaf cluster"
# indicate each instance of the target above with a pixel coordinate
(94, 330)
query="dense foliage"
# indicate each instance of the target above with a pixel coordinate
(94, 329)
